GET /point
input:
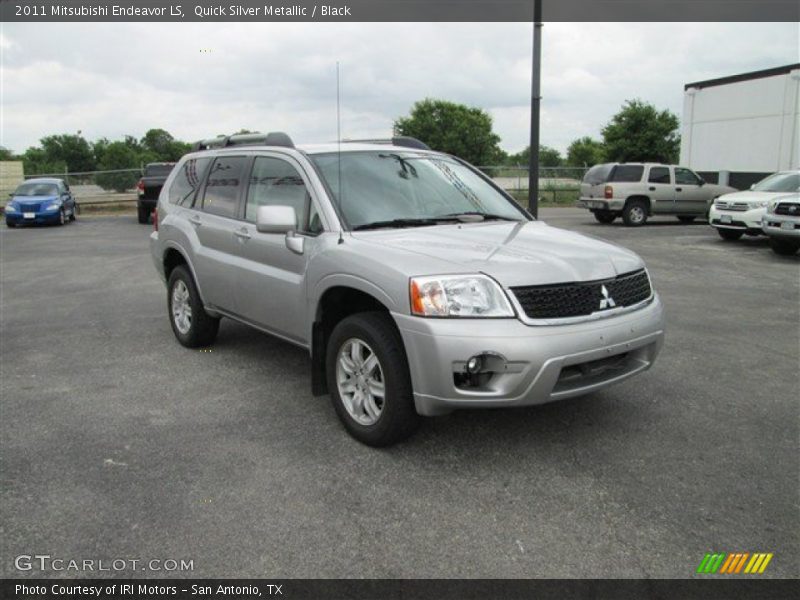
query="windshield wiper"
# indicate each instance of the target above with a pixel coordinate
(420, 222)
(475, 216)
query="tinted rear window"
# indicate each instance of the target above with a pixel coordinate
(627, 173)
(597, 174)
(157, 170)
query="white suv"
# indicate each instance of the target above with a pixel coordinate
(636, 191)
(734, 215)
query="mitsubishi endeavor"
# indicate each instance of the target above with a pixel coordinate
(416, 284)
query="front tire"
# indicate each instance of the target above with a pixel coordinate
(730, 235)
(191, 324)
(783, 247)
(635, 213)
(604, 216)
(686, 219)
(10, 225)
(369, 381)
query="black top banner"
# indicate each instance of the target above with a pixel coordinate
(399, 10)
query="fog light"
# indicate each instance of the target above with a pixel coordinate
(474, 364)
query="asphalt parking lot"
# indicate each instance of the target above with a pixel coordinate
(119, 443)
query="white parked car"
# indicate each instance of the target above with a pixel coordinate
(782, 224)
(739, 213)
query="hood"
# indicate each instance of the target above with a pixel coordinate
(530, 253)
(33, 199)
(750, 196)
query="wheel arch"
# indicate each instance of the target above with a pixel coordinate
(642, 197)
(338, 301)
(175, 256)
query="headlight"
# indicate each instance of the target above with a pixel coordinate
(53, 206)
(458, 296)
(10, 208)
(759, 204)
(771, 206)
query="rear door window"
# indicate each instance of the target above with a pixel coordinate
(627, 173)
(659, 175)
(224, 183)
(686, 177)
(187, 181)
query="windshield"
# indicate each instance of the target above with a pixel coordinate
(37, 189)
(157, 170)
(779, 182)
(387, 186)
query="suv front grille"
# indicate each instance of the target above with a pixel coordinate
(788, 208)
(734, 206)
(581, 299)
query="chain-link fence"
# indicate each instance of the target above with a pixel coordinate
(98, 187)
(558, 185)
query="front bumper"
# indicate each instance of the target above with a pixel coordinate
(613, 204)
(38, 218)
(782, 226)
(748, 221)
(537, 364)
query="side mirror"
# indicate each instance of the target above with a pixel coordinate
(702, 182)
(275, 219)
(752, 185)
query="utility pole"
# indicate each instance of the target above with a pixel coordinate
(536, 97)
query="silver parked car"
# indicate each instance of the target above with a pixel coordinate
(636, 191)
(417, 286)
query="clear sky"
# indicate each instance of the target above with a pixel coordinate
(200, 80)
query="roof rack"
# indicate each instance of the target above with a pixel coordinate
(274, 138)
(400, 140)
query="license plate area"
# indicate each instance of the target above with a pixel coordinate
(787, 225)
(29, 215)
(725, 219)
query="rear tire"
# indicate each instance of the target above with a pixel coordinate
(144, 214)
(635, 213)
(783, 247)
(686, 219)
(191, 324)
(604, 216)
(357, 378)
(73, 214)
(62, 217)
(730, 235)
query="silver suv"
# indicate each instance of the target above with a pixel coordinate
(636, 191)
(416, 284)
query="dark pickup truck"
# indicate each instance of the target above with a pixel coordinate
(149, 187)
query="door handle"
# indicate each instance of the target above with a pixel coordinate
(242, 234)
(678, 189)
(652, 188)
(195, 221)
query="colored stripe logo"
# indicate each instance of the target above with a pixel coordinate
(734, 563)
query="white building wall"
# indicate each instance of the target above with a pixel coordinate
(746, 126)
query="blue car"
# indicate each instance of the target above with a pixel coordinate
(41, 201)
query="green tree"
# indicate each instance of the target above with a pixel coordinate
(6, 154)
(160, 145)
(457, 129)
(585, 152)
(117, 156)
(548, 157)
(640, 132)
(36, 162)
(73, 150)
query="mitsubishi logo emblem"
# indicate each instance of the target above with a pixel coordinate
(606, 301)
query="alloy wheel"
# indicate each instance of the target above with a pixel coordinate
(360, 381)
